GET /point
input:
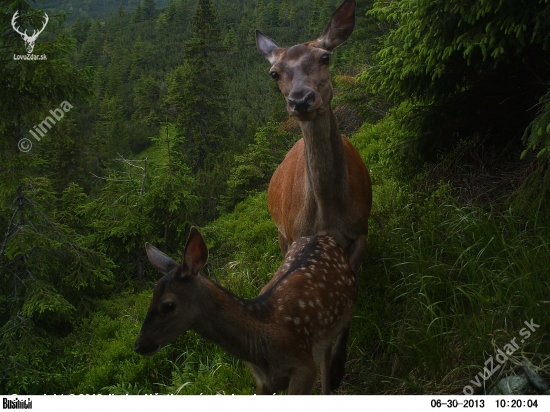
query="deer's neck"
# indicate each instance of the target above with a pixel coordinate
(326, 173)
(231, 322)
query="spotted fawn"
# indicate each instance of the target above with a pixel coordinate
(280, 334)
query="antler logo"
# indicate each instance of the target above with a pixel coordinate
(29, 40)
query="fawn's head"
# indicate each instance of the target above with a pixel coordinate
(302, 71)
(174, 307)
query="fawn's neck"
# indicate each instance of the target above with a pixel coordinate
(231, 322)
(326, 173)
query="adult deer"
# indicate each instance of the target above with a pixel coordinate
(281, 334)
(322, 187)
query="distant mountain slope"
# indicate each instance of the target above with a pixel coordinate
(90, 8)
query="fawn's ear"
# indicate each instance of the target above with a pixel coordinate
(340, 27)
(267, 46)
(159, 260)
(196, 252)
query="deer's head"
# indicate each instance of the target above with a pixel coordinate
(174, 307)
(302, 71)
(29, 40)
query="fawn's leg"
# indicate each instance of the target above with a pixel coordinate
(303, 379)
(325, 372)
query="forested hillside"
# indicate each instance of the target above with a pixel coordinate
(93, 9)
(166, 117)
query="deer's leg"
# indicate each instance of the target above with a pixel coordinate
(356, 253)
(283, 243)
(338, 359)
(262, 389)
(262, 383)
(325, 372)
(303, 379)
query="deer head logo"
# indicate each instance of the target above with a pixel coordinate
(29, 40)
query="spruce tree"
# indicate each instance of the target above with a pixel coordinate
(46, 272)
(149, 9)
(202, 119)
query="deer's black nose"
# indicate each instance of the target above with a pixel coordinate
(301, 105)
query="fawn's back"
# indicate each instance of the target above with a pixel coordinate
(312, 292)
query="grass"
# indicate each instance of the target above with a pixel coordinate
(452, 283)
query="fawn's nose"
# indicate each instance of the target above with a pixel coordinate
(300, 105)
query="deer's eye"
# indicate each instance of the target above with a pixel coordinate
(274, 75)
(325, 58)
(167, 307)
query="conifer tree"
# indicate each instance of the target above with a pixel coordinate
(138, 15)
(46, 272)
(149, 9)
(202, 118)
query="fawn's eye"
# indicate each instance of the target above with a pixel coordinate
(325, 58)
(274, 75)
(167, 307)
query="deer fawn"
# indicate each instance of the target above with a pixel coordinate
(322, 187)
(280, 334)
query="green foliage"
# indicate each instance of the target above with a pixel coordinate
(124, 389)
(101, 355)
(46, 273)
(201, 120)
(460, 280)
(384, 146)
(243, 246)
(537, 134)
(463, 64)
(253, 169)
(146, 200)
(420, 54)
(204, 369)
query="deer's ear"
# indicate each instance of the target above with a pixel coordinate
(340, 27)
(267, 46)
(196, 252)
(159, 260)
